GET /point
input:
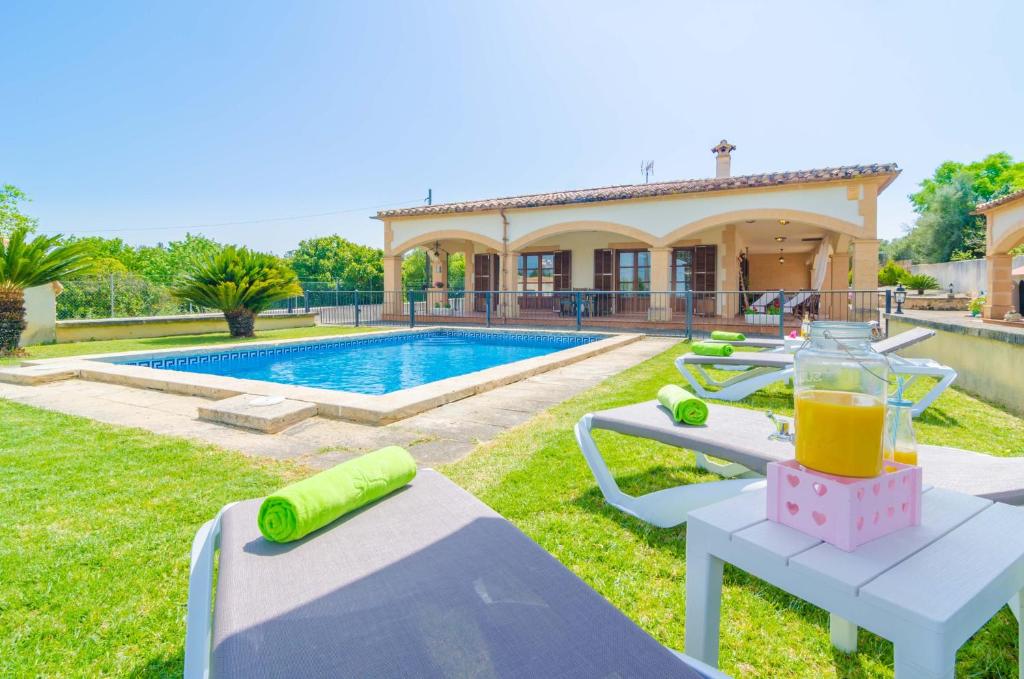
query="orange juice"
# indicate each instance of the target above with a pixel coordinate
(905, 456)
(839, 432)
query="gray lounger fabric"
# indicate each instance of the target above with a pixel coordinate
(428, 582)
(741, 435)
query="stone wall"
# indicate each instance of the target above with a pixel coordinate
(163, 326)
(969, 276)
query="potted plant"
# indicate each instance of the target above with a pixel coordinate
(26, 264)
(921, 282)
(976, 304)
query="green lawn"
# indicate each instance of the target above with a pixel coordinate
(178, 341)
(94, 554)
(100, 519)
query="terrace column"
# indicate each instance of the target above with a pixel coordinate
(865, 265)
(393, 303)
(865, 274)
(470, 269)
(661, 266)
(836, 287)
(999, 296)
(508, 267)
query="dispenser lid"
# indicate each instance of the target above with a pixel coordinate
(899, 402)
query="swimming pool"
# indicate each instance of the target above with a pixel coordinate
(374, 365)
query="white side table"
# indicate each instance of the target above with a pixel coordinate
(926, 588)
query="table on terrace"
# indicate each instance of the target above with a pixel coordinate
(927, 588)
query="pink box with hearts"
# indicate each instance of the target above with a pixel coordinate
(841, 510)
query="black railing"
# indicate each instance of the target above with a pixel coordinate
(689, 313)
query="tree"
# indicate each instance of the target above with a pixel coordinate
(946, 225)
(11, 216)
(946, 200)
(25, 264)
(240, 283)
(336, 259)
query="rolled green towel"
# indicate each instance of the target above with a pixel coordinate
(684, 406)
(711, 349)
(302, 507)
(723, 336)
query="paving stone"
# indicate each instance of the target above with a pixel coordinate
(262, 413)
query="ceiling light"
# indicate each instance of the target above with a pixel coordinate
(779, 239)
(782, 259)
(751, 221)
(783, 221)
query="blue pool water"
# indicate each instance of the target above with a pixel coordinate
(376, 365)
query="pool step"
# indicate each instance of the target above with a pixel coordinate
(267, 414)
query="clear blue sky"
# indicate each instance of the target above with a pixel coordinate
(153, 115)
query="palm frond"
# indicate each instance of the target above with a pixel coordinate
(26, 263)
(238, 278)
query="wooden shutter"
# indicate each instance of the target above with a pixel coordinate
(705, 268)
(563, 270)
(604, 270)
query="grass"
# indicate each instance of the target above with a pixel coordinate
(535, 476)
(100, 519)
(175, 342)
(95, 548)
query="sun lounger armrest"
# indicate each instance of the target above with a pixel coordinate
(199, 617)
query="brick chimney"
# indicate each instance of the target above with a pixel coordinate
(722, 158)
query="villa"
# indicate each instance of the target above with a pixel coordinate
(796, 230)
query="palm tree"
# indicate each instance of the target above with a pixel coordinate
(26, 263)
(241, 283)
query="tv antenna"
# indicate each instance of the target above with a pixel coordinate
(429, 200)
(647, 169)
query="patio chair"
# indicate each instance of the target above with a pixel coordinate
(770, 367)
(427, 582)
(741, 437)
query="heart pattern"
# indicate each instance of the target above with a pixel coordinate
(820, 489)
(819, 518)
(793, 508)
(793, 480)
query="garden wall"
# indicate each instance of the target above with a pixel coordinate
(40, 312)
(986, 359)
(969, 276)
(163, 326)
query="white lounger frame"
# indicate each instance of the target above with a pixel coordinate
(662, 508)
(757, 377)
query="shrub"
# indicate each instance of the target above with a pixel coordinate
(921, 282)
(241, 283)
(891, 274)
(976, 304)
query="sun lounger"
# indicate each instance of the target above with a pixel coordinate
(741, 437)
(428, 582)
(765, 368)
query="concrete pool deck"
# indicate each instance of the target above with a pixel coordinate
(438, 436)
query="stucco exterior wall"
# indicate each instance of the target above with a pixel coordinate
(767, 274)
(126, 328)
(1007, 226)
(41, 316)
(982, 357)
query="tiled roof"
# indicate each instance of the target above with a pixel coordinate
(1000, 201)
(628, 191)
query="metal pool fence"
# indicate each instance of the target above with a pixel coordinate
(690, 314)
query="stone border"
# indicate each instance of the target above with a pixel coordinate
(344, 405)
(971, 329)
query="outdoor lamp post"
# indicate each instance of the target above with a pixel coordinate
(901, 297)
(951, 291)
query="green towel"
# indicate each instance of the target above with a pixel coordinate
(723, 336)
(302, 507)
(711, 349)
(684, 406)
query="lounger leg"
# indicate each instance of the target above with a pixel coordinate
(663, 508)
(929, 398)
(703, 600)
(736, 388)
(842, 633)
(727, 470)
